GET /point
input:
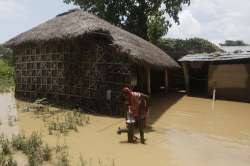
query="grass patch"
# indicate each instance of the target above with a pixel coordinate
(62, 156)
(37, 152)
(70, 121)
(33, 147)
(6, 151)
(58, 121)
(5, 145)
(7, 161)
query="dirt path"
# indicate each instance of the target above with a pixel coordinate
(183, 132)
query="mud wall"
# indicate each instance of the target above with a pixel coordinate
(232, 81)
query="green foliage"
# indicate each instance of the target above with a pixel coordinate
(7, 161)
(7, 55)
(33, 143)
(132, 15)
(6, 71)
(70, 122)
(60, 122)
(6, 84)
(19, 142)
(178, 47)
(62, 156)
(35, 159)
(6, 158)
(157, 27)
(5, 145)
(33, 148)
(47, 152)
(234, 43)
(11, 161)
(6, 75)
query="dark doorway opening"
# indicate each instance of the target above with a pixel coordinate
(199, 79)
(140, 80)
(157, 80)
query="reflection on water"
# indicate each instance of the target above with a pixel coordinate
(196, 135)
(184, 132)
(8, 114)
(200, 149)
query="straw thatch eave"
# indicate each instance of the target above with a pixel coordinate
(78, 24)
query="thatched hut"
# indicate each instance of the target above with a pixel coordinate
(81, 58)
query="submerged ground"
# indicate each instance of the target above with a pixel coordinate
(183, 131)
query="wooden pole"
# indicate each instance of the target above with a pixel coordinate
(166, 81)
(148, 80)
(214, 96)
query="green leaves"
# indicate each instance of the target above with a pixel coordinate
(157, 27)
(173, 7)
(178, 48)
(234, 43)
(7, 55)
(6, 71)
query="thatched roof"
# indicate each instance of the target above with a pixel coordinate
(78, 23)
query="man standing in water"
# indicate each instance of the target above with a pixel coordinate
(137, 107)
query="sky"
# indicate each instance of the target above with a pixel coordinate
(17, 16)
(215, 20)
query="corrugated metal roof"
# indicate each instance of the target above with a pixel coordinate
(215, 57)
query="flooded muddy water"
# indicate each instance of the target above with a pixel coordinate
(183, 131)
(8, 114)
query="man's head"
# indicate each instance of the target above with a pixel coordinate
(126, 90)
(126, 93)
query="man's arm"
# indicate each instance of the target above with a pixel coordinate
(145, 96)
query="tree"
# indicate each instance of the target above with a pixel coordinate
(7, 55)
(234, 43)
(177, 48)
(157, 27)
(135, 15)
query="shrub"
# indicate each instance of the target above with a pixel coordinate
(178, 48)
(6, 71)
(5, 145)
(62, 156)
(36, 158)
(10, 162)
(6, 76)
(46, 152)
(19, 142)
(33, 143)
(33, 148)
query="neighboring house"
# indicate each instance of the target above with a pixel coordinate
(80, 58)
(226, 73)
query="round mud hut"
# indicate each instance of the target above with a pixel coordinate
(79, 58)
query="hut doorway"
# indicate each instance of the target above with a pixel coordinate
(140, 81)
(198, 79)
(157, 81)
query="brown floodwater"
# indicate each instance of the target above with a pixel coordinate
(183, 131)
(8, 115)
